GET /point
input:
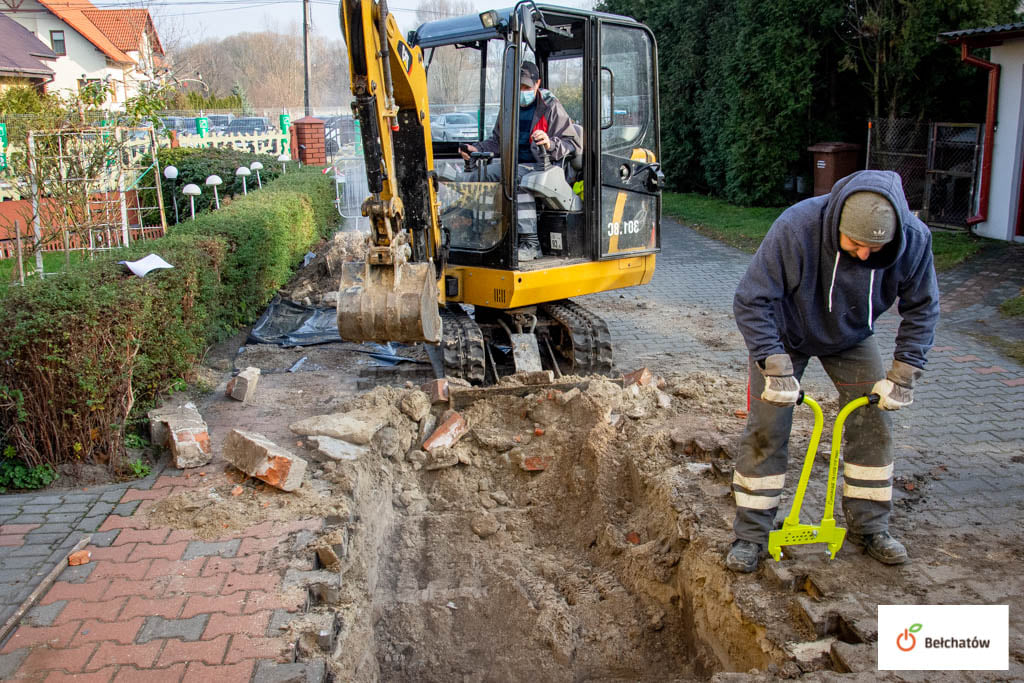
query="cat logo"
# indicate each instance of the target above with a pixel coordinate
(405, 54)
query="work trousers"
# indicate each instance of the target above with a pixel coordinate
(867, 451)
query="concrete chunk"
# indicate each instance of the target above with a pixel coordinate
(357, 426)
(259, 457)
(183, 430)
(336, 449)
(242, 386)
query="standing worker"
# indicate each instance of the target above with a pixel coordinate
(827, 269)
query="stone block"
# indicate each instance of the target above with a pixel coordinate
(242, 386)
(357, 426)
(415, 405)
(259, 457)
(337, 449)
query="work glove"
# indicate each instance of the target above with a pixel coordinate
(897, 389)
(781, 387)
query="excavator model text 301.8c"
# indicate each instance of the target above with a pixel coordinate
(444, 262)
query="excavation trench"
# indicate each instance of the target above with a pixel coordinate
(558, 540)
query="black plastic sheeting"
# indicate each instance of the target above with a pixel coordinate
(286, 323)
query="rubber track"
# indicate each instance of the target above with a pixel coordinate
(591, 341)
(462, 344)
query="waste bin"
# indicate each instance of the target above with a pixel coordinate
(832, 161)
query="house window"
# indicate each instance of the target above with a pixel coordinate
(57, 42)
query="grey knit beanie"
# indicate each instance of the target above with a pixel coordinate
(868, 217)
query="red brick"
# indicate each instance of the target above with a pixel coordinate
(168, 607)
(206, 585)
(114, 553)
(249, 582)
(164, 481)
(963, 359)
(28, 636)
(101, 676)
(313, 524)
(257, 601)
(244, 647)
(12, 540)
(249, 624)
(119, 522)
(112, 653)
(140, 494)
(437, 390)
(448, 434)
(144, 587)
(990, 370)
(77, 610)
(16, 528)
(232, 565)
(172, 674)
(127, 570)
(75, 591)
(228, 604)
(254, 546)
(142, 536)
(642, 377)
(1013, 382)
(208, 651)
(70, 659)
(234, 673)
(943, 348)
(161, 567)
(171, 551)
(122, 631)
(179, 535)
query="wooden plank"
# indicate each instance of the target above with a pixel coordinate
(43, 586)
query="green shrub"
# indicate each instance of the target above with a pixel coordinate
(319, 188)
(15, 474)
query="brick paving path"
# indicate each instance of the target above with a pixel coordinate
(158, 604)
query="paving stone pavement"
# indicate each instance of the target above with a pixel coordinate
(169, 604)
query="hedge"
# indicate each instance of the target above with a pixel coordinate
(85, 353)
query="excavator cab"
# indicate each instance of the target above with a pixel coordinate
(450, 233)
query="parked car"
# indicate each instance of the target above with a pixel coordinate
(248, 125)
(457, 126)
(220, 122)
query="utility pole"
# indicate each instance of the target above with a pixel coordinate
(305, 54)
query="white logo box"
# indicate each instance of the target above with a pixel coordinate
(943, 637)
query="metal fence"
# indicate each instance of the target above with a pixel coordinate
(938, 163)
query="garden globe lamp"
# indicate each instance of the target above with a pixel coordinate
(243, 171)
(192, 191)
(171, 173)
(257, 167)
(283, 159)
(215, 180)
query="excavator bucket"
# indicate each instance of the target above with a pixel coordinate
(389, 302)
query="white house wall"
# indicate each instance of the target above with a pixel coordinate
(82, 56)
(1007, 153)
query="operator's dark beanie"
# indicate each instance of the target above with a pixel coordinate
(868, 217)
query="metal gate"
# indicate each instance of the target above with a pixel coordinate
(953, 153)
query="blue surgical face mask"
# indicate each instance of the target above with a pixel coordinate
(526, 97)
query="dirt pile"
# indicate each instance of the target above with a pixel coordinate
(316, 283)
(569, 533)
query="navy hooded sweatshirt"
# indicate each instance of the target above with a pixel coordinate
(802, 292)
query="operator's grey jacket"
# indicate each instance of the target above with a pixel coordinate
(549, 116)
(802, 292)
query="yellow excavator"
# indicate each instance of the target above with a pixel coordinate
(443, 263)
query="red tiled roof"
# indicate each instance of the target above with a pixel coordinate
(73, 13)
(124, 27)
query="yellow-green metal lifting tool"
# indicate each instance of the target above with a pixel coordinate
(792, 531)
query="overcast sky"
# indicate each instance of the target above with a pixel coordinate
(199, 19)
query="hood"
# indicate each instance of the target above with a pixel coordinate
(885, 183)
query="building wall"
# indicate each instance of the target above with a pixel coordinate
(1007, 153)
(82, 56)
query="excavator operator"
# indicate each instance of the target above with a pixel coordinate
(543, 125)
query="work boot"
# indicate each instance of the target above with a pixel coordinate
(744, 556)
(881, 546)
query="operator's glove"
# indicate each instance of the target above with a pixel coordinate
(781, 387)
(897, 389)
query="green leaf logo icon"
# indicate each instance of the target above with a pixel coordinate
(915, 628)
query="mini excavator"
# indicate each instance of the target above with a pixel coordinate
(442, 263)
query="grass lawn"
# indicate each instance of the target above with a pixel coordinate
(745, 227)
(53, 262)
(1013, 308)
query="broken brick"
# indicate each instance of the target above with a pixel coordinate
(80, 557)
(242, 386)
(448, 434)
(643, 377)
(535, 463)
(261, 458)
(182, 429)
(437, 390)
(633, 537)
(538, 431)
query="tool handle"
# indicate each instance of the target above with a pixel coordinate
(812, 449)
(837, 439)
